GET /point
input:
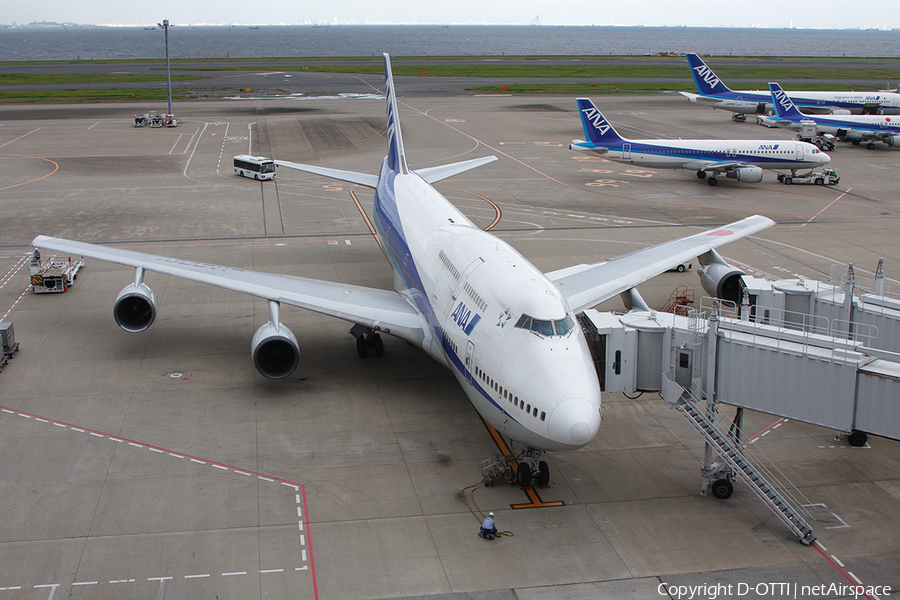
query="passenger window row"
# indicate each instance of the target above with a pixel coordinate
(505, 394)
(449, 264)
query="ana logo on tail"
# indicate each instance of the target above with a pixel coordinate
(593, 116)
(706, 74)
(783, 99)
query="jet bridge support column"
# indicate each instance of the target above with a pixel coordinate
(711, 466)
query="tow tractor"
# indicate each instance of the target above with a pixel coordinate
(53, 276)
(826, 176)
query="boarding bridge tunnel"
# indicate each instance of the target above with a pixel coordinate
(796, 368)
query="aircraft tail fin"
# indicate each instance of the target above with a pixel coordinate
(597, 129)
(708, 83)
(396, 155)
(784, 106)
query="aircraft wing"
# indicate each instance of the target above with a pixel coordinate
(350, 176)
(366, 306)
(701, 99)
(714, 165)
(585, 286)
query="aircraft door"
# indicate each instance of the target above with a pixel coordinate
(684, 367)
(626, 150)
(470, 360)
(799, 151)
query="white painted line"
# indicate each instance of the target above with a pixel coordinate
(121, 581)
(158, 578)
(24, 415)
(116, 440)
(294, 487)
(303, 555)
(155, 450)
(766, 433)
(96, 434)
(78, 430)
(196, 576)
(300, 523)
(837, 560)
(41, 420)
(299, 511)
(297, 497)
(37, 586)
(777, 426)
(175, 455)
(60, 425)
(19, 587)
(754, 439)
(198, 461)
(264, 478)
(242, 473)
(6, 410)
(302, 540)
(843, 524)
(303, 568)
(234, 573)
(135, 445)
(84, 583)
(272, 571)
(855, 578)
(221, 467)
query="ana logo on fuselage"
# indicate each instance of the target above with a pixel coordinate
(706, 74)
(593, 115)
(769, 146)
(464, 318)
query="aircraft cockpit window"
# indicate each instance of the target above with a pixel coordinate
(546, 328)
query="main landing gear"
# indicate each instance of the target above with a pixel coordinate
(368, 341)
(533, 471)
(710, 181)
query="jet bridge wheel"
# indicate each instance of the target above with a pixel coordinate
(712, 181)
(857, 438)
(722, 489)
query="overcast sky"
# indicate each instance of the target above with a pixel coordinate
(762, 13)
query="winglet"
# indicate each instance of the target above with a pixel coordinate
(784, 106)
(396, 156)
(708, 83)
(597, 129)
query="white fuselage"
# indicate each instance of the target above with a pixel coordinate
(471, 290)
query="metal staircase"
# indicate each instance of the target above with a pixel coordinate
(774, 494)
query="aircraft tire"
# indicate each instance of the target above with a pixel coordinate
(543, 474)
(722, 489)
(701, 174)
(870, 146)
(362, 347)
(523, 475)
(857, 438)
(379, 346)
(712, 181)
(855, 142)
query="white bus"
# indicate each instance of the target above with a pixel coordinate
(257, 167)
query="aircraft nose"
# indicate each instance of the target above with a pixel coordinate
(574, 422)
(825, 158)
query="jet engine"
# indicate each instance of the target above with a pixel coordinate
(718, 278)
(275, 351)
(135, 307)
(894, 140)
(746, 174)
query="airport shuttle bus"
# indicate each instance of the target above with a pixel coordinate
(256, 167)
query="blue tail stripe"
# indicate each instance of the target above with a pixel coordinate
(708, 83)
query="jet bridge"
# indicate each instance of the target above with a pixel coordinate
(788, 364)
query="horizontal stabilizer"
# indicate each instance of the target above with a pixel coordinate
(351, 176)
(435, 174)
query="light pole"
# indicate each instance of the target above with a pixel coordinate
(165, 25)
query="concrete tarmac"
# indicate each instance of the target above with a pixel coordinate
(161, 465)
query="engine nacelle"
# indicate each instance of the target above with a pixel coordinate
(718, 278)
(746, 174)
(894, 140)
(275, 351)
(135, 307)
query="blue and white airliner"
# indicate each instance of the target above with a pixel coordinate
(506, 330)
(856, 128)
(743, 160)
(713, 92)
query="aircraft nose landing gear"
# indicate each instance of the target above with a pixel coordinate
(533, 471)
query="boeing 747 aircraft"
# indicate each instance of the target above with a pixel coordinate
(743, 160)
(856, 128)
(713, 92)
(506, 330)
